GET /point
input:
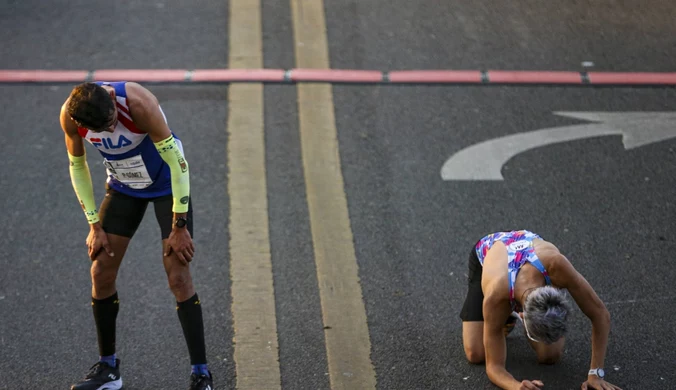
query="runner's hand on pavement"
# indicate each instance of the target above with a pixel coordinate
(594, 382)
(530, 385)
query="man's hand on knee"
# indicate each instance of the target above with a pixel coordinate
(98, 240)
(180, 243)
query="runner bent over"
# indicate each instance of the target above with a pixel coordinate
(518, 275)
(145, 163)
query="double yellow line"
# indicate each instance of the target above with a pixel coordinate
(256, 350)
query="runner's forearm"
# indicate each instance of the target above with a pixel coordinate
(82, 184)
(501, 377)
(600, 330)
(180, 175)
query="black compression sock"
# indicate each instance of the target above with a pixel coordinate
(190, 315)
(105, 314)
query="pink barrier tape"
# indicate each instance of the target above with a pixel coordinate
(336, 75)
(530, 77)
(8, 76)
(435, 76)
(229, 75)
(632, 78)
(22, 76)
(159, 75)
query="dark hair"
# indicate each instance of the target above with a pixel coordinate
(546, 310)
(90, 105)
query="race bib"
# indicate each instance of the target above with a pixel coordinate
(519, 245)
(131, 172)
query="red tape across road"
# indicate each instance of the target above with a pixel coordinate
(340, 76)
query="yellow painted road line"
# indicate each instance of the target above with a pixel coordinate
(253, 302)
(348, 346)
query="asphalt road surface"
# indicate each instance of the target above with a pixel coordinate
(609, 208)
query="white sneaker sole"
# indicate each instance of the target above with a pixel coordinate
(114, 385)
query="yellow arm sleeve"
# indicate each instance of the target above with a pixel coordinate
(180, 176)
(82, 184)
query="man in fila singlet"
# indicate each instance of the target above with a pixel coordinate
(517, 275)
(145, 164)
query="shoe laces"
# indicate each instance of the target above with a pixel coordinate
(198, 379)
(96, 369)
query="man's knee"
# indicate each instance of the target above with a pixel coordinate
(179, 281)
(102, 277)
(475, 355)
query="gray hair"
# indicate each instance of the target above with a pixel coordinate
(545, 310)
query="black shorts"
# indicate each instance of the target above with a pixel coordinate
(122, 214)
(472, 309)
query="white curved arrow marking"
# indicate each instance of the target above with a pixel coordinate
(484, 161)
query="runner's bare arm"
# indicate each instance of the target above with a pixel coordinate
(496, 311)
(564, 275)
(146, 113)
(74, 143)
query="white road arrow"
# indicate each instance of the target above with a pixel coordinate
(484, 161)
